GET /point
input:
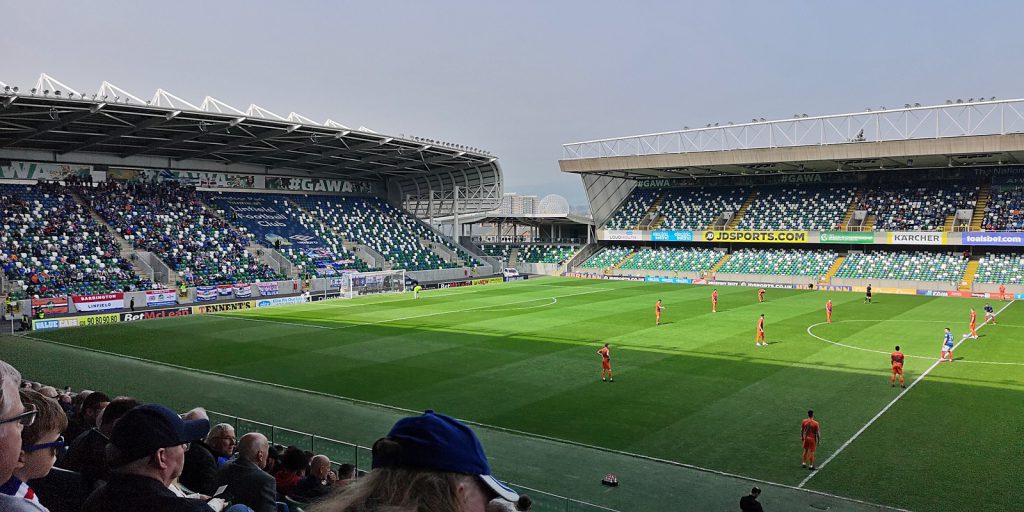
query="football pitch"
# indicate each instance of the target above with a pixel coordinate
(693, 391)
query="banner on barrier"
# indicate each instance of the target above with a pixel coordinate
(669, 280)
(783, 237)
(272, 288)
(161, 298)
(243, 291)
(279, 301)
(108, 318)
(225, 290)
(99, 302)
(487, 280)
(221, 308)
(57, 323)
(935, 293)
(156, 313)
(847, 237)
(206, 293)
(917, 238)
(673, 235)
(51, 306)
(624, 234)
(992, 238)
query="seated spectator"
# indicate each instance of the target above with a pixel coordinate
(294, 466)
(14, 417)
(39, 444)
(146, 453)
(346, 474)
(203, 458)
(428, 462)
(87, 454)
(247, 483)
(89, 408)
(318, 482)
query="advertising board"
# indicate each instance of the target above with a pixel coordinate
(221, 308)
(51, 306)
(671, 235)
(156, 313)
(917, 237)
(98, 302)
(783, 237)
(161, 298)
(847, 237)
(623, 234)
(992, 238)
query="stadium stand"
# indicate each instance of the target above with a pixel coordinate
(697, 208)
(170, 221)
(633, 209)
(810, 207)
(904, 266)
(385, 229)
(688, 259)
(917, 208)
(607, 257)
(271, 220)
(531, 253)
(788, 262)
(1000, 269)
(1005, 210)
(53, 246)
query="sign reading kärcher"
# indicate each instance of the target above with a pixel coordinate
(778, 237)
(917, 237)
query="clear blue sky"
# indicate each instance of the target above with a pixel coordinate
(521, 78)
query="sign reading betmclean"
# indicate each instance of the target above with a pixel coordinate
(917, 237)
(785, 237)
(319, 185)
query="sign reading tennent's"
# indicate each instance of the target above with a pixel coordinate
(917, 237)
(784, 237)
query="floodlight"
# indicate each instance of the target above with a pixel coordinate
(993, 98)
(33, 91)
(762, 119)
(7, 88)
(15, 89)
(906, 105)
(958, 100)
(46, 92)
(716, 124)
(949, 102)
(917, 104)
(970, 100)
(56, 93)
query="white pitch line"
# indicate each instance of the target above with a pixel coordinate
(554, 301)
(844, 345)
(886, 408)
(313, 326)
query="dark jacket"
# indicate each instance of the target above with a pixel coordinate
(88, 456)
(131, 493)
(200, 471)
(311, 488)
(749, 503)
(248, 485)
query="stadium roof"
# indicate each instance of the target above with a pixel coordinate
(115, 127)
(983, 132)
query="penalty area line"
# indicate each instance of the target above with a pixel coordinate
(886, 408)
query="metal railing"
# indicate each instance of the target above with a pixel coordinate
(882, 125)
(341, 452)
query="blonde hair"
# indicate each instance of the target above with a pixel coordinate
(397, 490)
(49, 417)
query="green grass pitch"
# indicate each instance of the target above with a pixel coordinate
(694, 390)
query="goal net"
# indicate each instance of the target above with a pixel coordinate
(364, 283)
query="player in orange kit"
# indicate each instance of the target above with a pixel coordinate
(974, 324)
(606, 363)
(714, 300)
(1002, 292)
(657, 312)
(810, 435)
(897, 366)
(828, 310)
(760, 295)
(759, 340)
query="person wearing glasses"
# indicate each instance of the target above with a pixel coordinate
(14, 417)
(40, 442)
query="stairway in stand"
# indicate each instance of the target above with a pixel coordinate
(833, 269)
(984, 195)
(969, 275)
(743, 209)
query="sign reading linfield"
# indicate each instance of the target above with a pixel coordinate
(847, 237)
(785, 237)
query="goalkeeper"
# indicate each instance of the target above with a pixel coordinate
(416, 291)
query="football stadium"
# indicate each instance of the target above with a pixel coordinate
(821, 307)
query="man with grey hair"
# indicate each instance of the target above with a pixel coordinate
(318, 482)
(13, 418)
(247, 482)
(202, 459)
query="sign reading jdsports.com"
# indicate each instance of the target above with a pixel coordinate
(778, 237)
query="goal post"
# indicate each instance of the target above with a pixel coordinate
(365, 283)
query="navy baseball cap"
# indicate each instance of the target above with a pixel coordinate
(147, 428)
(441, 443)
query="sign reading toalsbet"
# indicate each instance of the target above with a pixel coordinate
(917, 237)
(847, 237)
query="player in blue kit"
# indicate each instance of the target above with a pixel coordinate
(947, 346)
(990, 315)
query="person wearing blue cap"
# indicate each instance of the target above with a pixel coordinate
(427, 462)
(146, 453)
